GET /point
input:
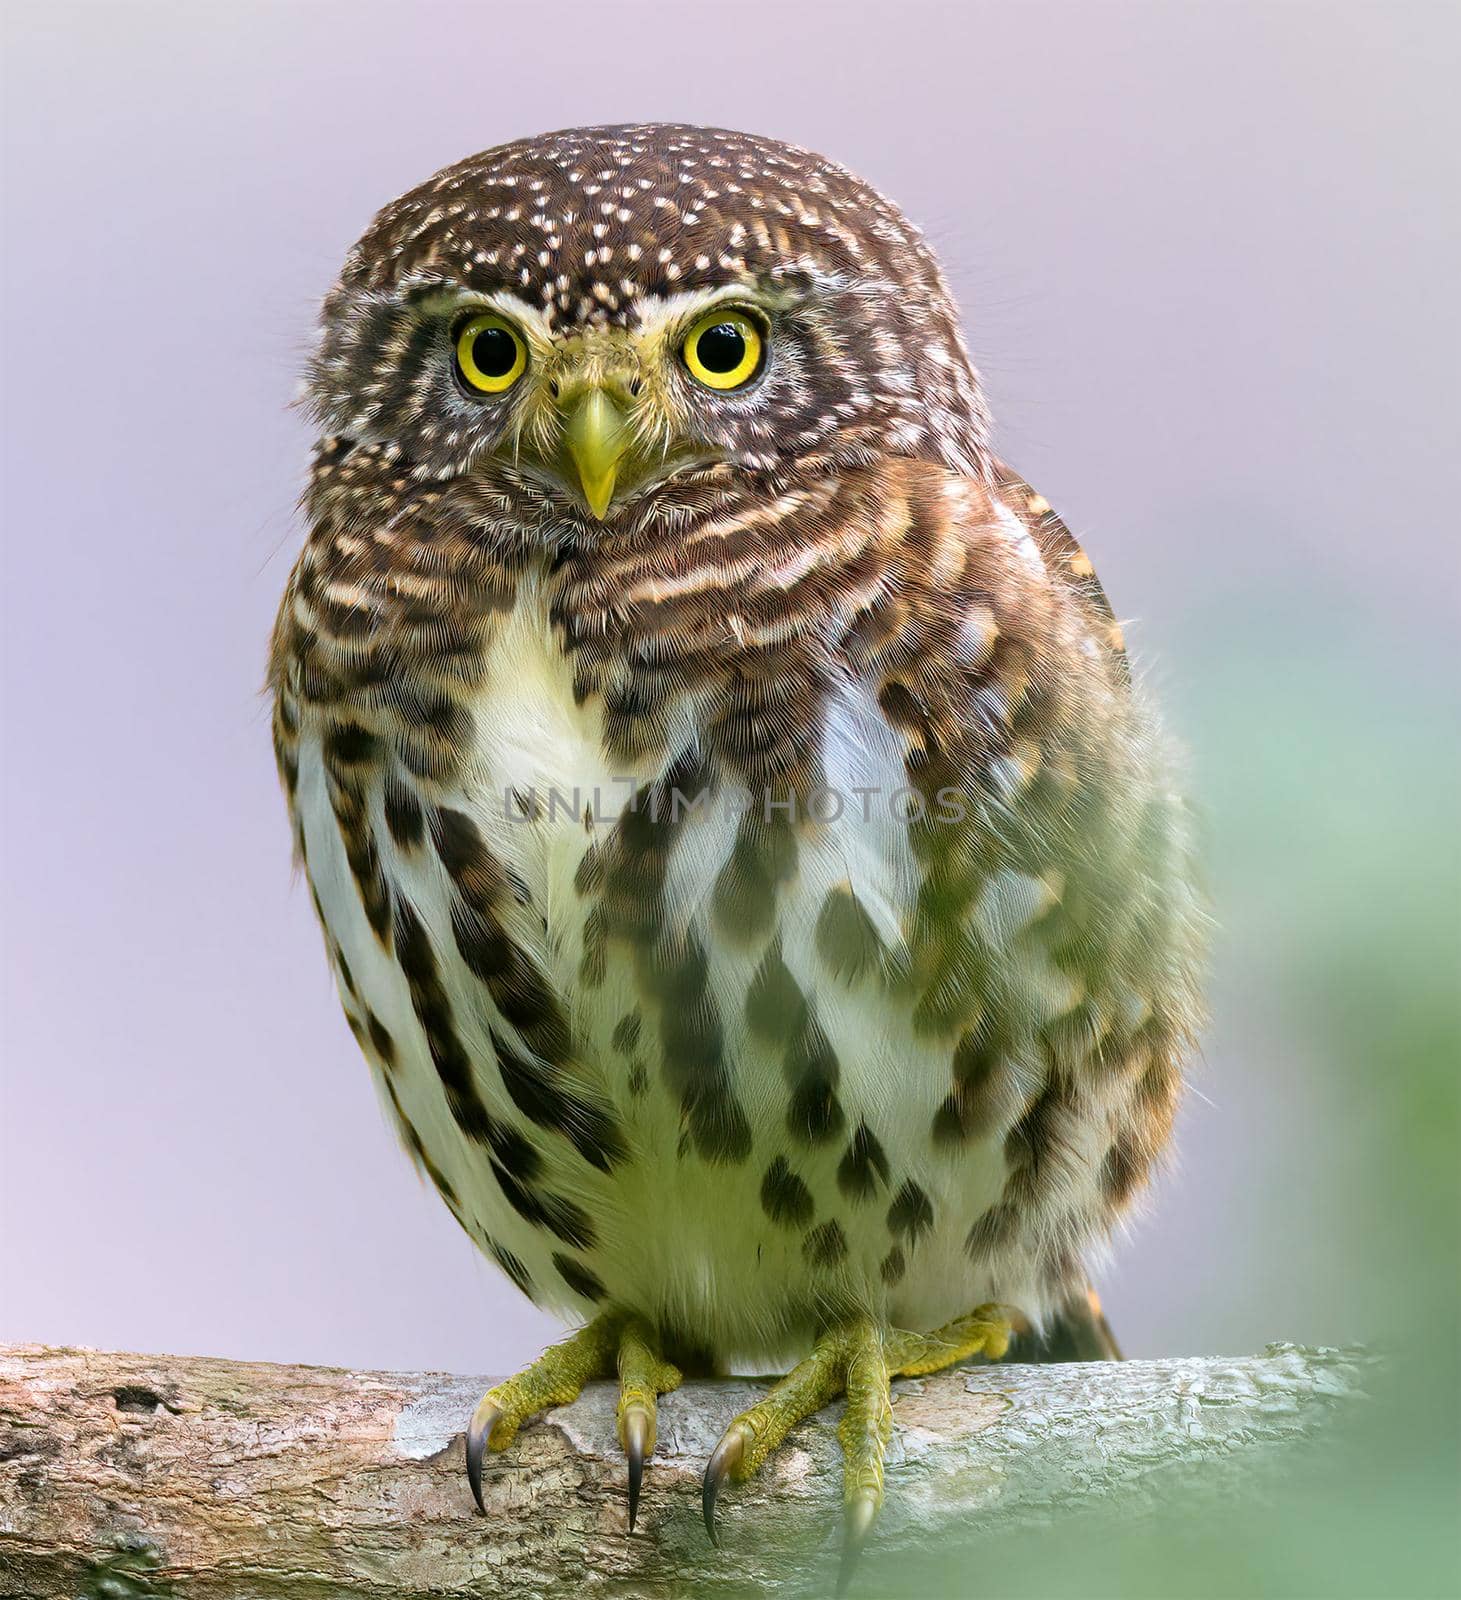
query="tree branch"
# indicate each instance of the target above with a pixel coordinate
(152, 1475)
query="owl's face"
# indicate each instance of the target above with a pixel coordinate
(602, 309)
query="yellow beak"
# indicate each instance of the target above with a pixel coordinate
(596, 436)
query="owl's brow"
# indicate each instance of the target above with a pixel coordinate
(445, 300)
(657, 312)
(434, 296)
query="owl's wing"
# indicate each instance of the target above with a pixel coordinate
(1077, 1330)
(1063, 554)
(1048, 961)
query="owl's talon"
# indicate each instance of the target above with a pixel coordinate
(554, 1379)
(644, 1375)
(612, 1341)
(724, 1459)
(479, 1431)
(635, 1433)
(860, 1513)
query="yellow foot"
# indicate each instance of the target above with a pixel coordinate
(857, 1359)
(609, 1344)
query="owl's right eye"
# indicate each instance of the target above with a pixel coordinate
(491, 355)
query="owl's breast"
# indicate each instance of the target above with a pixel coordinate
(537, 774)
(677, 1006)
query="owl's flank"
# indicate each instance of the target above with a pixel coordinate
(748, 868)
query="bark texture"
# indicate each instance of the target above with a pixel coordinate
(137, 1475)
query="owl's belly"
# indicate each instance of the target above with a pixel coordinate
(640, 1067)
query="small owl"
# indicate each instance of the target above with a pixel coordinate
(747, 866)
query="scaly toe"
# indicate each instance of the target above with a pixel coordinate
(985, 1332)
(554, 1379)
(754, 1434)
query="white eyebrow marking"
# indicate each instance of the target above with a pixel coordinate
(528, 317)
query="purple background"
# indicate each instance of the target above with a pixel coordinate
(1208, 261)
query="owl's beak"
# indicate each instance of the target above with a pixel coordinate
(596, 435)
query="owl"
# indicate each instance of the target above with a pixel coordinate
(759, 890)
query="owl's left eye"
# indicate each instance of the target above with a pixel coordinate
(724, 349)
(491, 355)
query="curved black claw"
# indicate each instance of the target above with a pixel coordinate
(634, 1427)
(862, 1509)
(479, 1430)
(723, 1460)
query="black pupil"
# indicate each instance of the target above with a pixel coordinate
(494, 352)
(721, 348)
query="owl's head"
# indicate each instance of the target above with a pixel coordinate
(603, 308)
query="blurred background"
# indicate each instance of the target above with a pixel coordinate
(1208, 256)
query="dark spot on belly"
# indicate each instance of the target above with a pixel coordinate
(784, 1197)
(825, 1245)
(743, 902)
(721, 1131)
(812, 1070)
(1045, 1142)
(847, 940)
(433, 1011)
(593, 965)
(539, 1091)
(953, 996)
(863, 1165)
(515, 1153)
(626, 1032)
(775, 1008)
(993, 1232)
(911, 1213)
(512, 1266)
(517, 988)
(578, 1277)
(692, 1045)
(560, 1217)
(814, 1115)
(979, 1074)
(464, 854)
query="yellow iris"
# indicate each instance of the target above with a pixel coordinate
(723, 350)
(491, 355)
